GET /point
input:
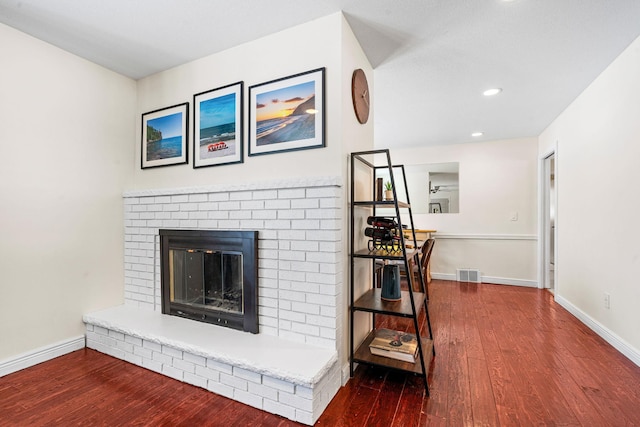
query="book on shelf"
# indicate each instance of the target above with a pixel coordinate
(394, 345)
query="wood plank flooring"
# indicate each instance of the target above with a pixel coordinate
(506, 356)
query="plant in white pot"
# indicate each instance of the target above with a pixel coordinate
(388, 191)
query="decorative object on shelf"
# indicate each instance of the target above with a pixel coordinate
(360, 95)
(391, 283)
(384, 234)
(287, 114)
(395, 345)
(164, 136)
(217, 126)
(379, 186)
(388, 191)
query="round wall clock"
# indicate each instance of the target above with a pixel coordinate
(360, 95)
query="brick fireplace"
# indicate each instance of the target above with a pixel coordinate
(300, 311)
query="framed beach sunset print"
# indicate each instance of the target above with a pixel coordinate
(164, 136)
(287, 114)
(217, 126)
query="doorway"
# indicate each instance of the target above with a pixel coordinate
(549, 229)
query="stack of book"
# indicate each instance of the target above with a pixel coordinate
(394, 345)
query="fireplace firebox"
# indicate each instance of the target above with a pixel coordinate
(211, 276)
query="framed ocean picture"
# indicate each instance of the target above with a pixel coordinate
(164, 136)
(217, 126)
(287, 114)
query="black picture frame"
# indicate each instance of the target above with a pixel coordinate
(165, 137)
(287, 114)
(218, 126)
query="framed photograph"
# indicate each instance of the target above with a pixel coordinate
(217, 126)
(164, 136)
(287, 114)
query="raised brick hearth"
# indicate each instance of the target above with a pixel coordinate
(299, 224)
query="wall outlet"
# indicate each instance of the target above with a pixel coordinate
(607, 300)
(514, 216)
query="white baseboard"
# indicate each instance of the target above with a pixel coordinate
(490, 279)
(618, 343)
(39, 355)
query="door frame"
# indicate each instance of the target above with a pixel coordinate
(543, 209)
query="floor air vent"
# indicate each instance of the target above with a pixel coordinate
(468, 275)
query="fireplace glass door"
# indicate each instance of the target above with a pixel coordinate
(206, 279)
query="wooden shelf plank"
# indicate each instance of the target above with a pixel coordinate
(383, 254)
(363, 355)
(372, 302)
(382, 203)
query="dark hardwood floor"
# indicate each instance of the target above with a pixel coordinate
(506, 356)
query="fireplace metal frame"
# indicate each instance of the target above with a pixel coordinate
(226, 240)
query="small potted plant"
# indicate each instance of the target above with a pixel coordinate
(388, 191)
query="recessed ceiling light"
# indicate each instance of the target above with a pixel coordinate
(477, 134)
(492, 92)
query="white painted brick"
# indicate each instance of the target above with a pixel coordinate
(304, 417)
(268, 311)
(307, 246)
(303, 307)
(296, 276)
(327, 279)
(195, 359)
(304, 392)
(201, 197)
(284, 245)
(228, 224)
(208, 223)
(305, 224)
(161, 199)
(162, 358)
(152, 365)
(198, 215)
(131, 200)
(267, 263)
(89, 327)
(309, 267)
(330, 224)
(321, 299)
(208, 373)
(264, 214)
(124, 346)
(279, 409)
(100, 330)
(221, 389)
(326, 322)
(284, 305)
(184, 366)
(264, 391)
(268, 330)
(292, 235)
(328, 333)
(179, 198)
(305, 204)
(195, 380)
(324, 214)
(292, 315)
(229, 206)
(180, 215)
(330, 269)
(172, 372)
(255, 224)
(278, 384)
(264, 194)
(331, 203)
(324, 192)
(295, 401)
(132, 358)
(248, 398)
(284, 324)
(237, 383)
(277, 204)
(188, 223)
(290, 214)
(305, 329)
(324, 235)
(221, 367)
(292, 296)
(252, 205)
(114, 352)
(240, 214)
(291, 193)
(291, 255)
(267, 302)
(266, 321)
(143, 352)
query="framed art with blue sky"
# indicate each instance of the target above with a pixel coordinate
(164, 136)
(287, 114)
(217, 126)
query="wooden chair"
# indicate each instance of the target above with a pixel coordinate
(427, 249)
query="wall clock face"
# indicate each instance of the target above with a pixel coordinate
(360, 95)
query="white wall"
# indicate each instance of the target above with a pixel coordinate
(497, 179)
(66, 133)
(598, 251)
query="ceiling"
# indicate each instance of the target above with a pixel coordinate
(432, 59)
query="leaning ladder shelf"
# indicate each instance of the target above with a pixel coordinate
(370, 301)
